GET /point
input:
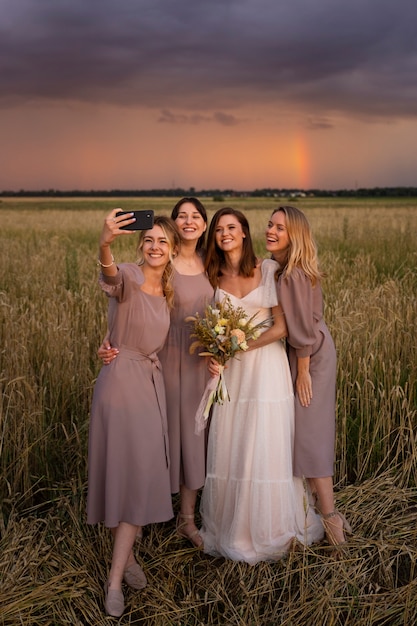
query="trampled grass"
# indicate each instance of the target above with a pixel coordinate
(52, 320)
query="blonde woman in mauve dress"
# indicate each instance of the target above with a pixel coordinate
(252, 508)
(185, 375)
(128, 457)
(312, 357)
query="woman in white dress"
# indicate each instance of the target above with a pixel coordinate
(252, 508)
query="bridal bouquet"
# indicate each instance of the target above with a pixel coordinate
(222, 332)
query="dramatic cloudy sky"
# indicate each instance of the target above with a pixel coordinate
(207, 93)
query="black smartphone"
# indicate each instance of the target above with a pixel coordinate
(144, 220)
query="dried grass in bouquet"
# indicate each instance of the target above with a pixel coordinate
(222, 332)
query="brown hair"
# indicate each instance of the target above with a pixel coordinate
(215, 258)
(200, 208)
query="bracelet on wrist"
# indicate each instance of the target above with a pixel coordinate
(102, 264)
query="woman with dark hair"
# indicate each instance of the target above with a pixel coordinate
(183, 208)
(128, 458)
(252, 509)
(185, 374)
(312, 357)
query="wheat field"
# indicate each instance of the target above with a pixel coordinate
(52, 319)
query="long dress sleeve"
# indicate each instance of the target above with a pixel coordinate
(296, 296)
(129, 277)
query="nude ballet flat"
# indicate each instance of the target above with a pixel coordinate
(114, 602)
(134, 576)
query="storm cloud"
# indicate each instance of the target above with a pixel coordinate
(197, 61)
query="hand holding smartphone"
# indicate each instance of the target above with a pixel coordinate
(144, 220)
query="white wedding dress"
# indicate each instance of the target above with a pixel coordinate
(252, 507)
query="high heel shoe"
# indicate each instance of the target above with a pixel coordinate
(331, 526)
(134, 576)
(194, 537)
(114, 602)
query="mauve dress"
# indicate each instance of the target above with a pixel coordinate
(185, 377)
(128, 457)
(308, 335)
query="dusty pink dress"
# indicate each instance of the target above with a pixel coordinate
(128, 457)
(308, 335)
(185, 377)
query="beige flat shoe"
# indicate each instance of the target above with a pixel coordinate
(134, 576)
(114, 602)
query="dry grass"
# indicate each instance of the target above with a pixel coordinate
(52, 566)
(52, 318)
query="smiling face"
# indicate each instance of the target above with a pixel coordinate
(229, 234)
(277, 239)
(155, 247)
(190, 222)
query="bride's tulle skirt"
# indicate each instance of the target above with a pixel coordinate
(252, 507)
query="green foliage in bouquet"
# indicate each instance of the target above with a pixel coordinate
(224, 330)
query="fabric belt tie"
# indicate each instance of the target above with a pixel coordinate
(159, 386)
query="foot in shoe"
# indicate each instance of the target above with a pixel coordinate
(134, 576)
(335, 526)
(114, 602)
(187, 529)
(346, 526)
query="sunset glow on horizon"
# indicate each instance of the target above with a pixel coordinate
(302, 162)
(164, 95)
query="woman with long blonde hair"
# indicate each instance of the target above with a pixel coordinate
(128, 457)
(312, 357)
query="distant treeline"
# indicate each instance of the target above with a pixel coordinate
(213, 193)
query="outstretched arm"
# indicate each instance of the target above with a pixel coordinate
(111, 229)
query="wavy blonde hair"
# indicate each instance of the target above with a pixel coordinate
(171, 232)
(302, 251)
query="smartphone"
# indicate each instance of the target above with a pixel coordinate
(144, 220)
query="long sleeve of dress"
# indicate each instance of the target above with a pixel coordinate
(302, 308)
(128, 278)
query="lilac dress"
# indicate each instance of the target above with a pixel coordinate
(128, 457)
(308, 335)
(185, 377)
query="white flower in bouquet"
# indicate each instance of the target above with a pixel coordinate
(222, 332)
